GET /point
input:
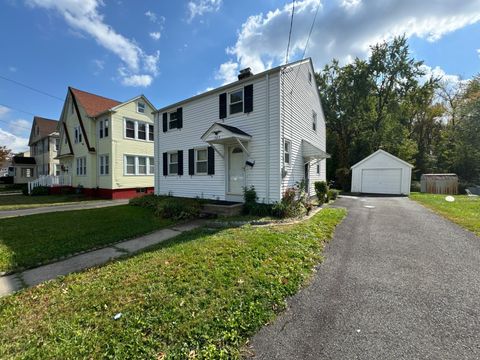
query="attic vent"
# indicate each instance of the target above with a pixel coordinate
(245, 73)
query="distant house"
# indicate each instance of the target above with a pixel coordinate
(24, 168)
(107, 145)
(265, 130)
(44, 143)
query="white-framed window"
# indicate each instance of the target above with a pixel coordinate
(173, 163)
(235, 101)
(141, 107)
(138, 130)
(151, 165)
(138, 165)
(130, 165)
(201, 161)
(130, 129)
(309, 77)
(172, 120)
(27, 172)
(104, 161)
(287, 148)
(142, 131)
(77, 134)
(151, 133)
(103, 128)
(81, 166)
(58, 169)
(314, 121)
(57, 144)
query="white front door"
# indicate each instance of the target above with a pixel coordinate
(236, 173)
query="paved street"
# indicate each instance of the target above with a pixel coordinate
(398, 282)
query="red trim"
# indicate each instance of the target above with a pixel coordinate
(118, 193)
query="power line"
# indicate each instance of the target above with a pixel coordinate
(290, 31)
(16, 109)
(31, 88)
(20, 126)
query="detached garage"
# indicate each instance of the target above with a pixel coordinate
(382, 173)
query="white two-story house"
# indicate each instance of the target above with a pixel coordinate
(106, 146)
(44, 143)
(265, 130)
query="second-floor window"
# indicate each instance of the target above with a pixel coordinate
(314, 121)
(138, 130)
(172, 120)
(141, 107)
(236, 101)
(77, 134)
(103, 128)
(57, 144)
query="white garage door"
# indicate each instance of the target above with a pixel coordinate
(382, 181)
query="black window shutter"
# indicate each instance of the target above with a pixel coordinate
(179, 118)
(165, 122)
(222, 106)
(180, 162)
(248, 94)
(211, 161)
(165, 164)
(191, 161)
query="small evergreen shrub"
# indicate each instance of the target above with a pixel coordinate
(332, 194)
(321, 190)
(40, 190)
(147, 201)
(178, 208)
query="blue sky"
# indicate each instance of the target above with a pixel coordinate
(170, 50)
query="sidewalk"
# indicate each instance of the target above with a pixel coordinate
(67, 207)
(11, 283)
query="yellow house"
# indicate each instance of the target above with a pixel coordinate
(107, 146)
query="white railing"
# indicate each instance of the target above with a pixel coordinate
(50, 181)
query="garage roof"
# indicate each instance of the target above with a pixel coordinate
(380, 151)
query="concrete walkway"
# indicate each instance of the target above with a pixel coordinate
(11, 283)
(67, 207)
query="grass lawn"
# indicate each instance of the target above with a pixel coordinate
(27, 240)
(464, 211)
(15, 202)
(200, 295)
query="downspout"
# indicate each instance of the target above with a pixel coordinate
(268, 140)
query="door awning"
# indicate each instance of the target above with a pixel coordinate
(311, 152)
(225, 134)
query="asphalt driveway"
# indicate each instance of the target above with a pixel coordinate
(398, 282)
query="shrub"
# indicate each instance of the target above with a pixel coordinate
(332, 194)
(40, 190)
(321, 190)
(415, 186)
(177, 208)
(25, 189)
(291, 205)
(261, 210)
(147, 201)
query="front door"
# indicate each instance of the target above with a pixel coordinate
(236, 173)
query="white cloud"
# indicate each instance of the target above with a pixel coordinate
(20, 127)
(200, 7)
(228, 72)
(156, 35)
(13, 142)
(345, 29)
(151, 16)
(12, 69)
(137, 80)
(84, 16)
(4, 111)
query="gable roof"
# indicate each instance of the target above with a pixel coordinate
(93, 104)
(380, 151)
(235, 83)
(45, 128)
(233, 129)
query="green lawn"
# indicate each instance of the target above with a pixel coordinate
(27, 240)
(15, 202)
(464, 211)
(199, 295)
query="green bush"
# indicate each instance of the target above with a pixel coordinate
(178, 208)
(415, 186)
(332, 194)
(25, 189)
(321, 190)
(261, 210)
(147, 201)
(292, 204)
(40, 190)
